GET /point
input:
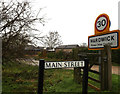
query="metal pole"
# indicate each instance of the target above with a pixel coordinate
(85, 77)
(41, 76)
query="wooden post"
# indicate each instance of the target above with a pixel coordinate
(99, 61)
(77, 75)
(44, 53)
(106, 69)
(41, 76)
(102, 72)
(85, 77)
(77, 72)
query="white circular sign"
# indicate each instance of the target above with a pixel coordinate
(101, 23)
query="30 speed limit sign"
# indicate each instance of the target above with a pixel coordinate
(102, 24)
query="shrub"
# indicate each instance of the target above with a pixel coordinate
(51, 55)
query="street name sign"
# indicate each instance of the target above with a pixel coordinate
(97, 42)
(64, 64)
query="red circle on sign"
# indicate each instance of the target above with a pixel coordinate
(98, 19)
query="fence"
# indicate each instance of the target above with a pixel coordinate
(105, 69)
(105, 72)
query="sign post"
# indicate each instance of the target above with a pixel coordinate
(108, 67)
(103, 35)
(63, 64)
(41, 76)
(119, 15)
(85, 77)
(104, 40)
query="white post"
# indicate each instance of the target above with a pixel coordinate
(0, 63)
(119, 15)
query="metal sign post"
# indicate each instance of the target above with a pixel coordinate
(85, 77)
(41, 76)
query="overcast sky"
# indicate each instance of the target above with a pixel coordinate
(74, 19)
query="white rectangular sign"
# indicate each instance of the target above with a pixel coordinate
(100, 40)
(65, 64)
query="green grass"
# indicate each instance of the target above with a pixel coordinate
(19, 77)
(115, 82)
(115, 64)
(62, 81)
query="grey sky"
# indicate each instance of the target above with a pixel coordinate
(74, 19)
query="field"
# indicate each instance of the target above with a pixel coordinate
(22, 78)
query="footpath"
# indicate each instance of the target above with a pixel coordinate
(115, 69)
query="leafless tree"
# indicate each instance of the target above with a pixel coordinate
(83, 45)
(16, 22)
(51, 40)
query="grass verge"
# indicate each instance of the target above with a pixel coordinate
(18, 77)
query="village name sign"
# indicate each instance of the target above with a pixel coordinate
(103, 35)
(100, 40)
(104, 40)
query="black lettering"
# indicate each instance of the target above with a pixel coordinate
(102, 39)
(76, 64)
(112, 38)
(72, 65)
(92, 40)
(59, 64)
(96, 39)
(108, 38)
(99, 39)
(53, 65)
(81, 64)
(48, 64)
(68, 64)
(98, 24)
(65, 64)
(103, 22)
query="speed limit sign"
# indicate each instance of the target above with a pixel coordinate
(102, 24)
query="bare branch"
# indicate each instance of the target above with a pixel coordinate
(52, 40)
(17, 23)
